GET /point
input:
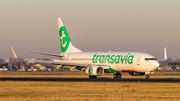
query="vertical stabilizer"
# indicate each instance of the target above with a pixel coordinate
(66, 45)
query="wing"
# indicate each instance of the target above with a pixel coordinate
(64, 63)
(60, 62)
(50, 54)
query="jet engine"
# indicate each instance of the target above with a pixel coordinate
(139, 73)
(94, 70)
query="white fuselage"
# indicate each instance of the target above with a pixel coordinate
(120, 61)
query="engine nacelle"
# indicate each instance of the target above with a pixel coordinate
(94, 70)
(140, 73)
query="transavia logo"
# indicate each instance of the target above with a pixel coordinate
(63, 35)
(64, 39)
(91, 70)
(113, 59)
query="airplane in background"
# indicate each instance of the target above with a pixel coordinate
(97, 63)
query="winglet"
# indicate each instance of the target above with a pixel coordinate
(165, 54)
(14, 53)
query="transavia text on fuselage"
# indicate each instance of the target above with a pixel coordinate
(113, 59)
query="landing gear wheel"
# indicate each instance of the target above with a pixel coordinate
(92, 77)
(147, 76)
(117, 75)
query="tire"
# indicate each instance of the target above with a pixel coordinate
(147, 76)
(117, 75)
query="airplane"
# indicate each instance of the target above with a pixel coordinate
(97, 63)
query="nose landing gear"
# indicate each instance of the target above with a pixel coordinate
(147, 76)
(117, 75)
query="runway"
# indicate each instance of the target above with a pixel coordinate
(168, 80)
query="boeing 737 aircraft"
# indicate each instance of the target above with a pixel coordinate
(97, 63)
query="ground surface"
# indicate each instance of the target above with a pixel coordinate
(88, 91)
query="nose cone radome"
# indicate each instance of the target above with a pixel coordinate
(155, 64)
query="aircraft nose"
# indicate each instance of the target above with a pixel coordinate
(156, 64)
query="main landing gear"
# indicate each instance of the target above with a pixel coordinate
(147, 76)
(117, 75)
(92, 77)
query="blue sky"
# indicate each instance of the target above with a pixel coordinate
(93, 25)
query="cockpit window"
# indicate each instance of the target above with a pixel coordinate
(147, 59)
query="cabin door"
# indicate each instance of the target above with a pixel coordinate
(138, 60)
